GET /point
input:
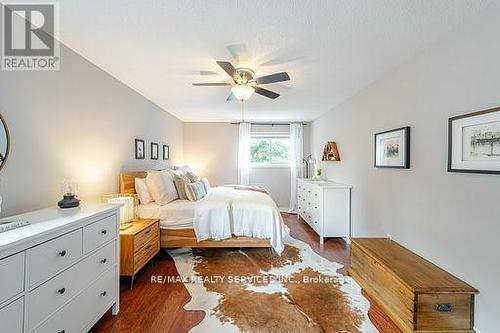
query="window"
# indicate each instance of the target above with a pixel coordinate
(269, 150)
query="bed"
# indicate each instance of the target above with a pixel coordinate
(176, 222)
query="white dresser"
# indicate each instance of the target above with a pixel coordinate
(60, 274)
(326, 207)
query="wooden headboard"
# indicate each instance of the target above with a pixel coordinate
(127, 181)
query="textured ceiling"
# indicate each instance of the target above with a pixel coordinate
(331, 49)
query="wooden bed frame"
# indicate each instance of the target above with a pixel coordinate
(186, 237)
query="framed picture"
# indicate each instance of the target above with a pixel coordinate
(474, 142)
(166, 152)
(154, 151)
(140, 149)
(392, 149)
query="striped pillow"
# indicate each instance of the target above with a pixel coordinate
(195, 191)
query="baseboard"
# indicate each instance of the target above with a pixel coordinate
(285, 210)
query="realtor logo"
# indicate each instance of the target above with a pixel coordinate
(29, 38)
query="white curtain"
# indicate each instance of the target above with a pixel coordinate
(244, 154)
(296, 157)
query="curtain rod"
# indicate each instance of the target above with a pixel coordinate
(272, 124)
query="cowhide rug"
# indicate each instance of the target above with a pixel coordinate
(254, 290)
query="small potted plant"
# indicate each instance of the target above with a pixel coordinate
(319, 172)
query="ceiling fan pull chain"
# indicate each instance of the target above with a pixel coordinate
(242, 114)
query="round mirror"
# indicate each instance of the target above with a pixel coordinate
(4, 142)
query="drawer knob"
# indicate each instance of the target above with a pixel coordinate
(104, 232)
(61, 291)
(103, 293)
(444, 307)
(62, 253)
(147, 247)
(104, 260)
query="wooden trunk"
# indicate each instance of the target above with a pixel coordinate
(416, 294)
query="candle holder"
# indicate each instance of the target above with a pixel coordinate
(70, 199)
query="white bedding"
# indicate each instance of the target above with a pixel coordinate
(224, 212)
(178, 214)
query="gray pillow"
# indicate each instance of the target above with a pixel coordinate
(195, 191)
(192, 176)
(180, 182)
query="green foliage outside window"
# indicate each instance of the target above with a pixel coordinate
(270, 150)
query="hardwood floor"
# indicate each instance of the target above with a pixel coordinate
(151, 307)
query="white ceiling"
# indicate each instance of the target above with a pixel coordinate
(331, 49)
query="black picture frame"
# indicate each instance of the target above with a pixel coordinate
(154, 151)
(166, 152)
(406, 159)
(138, 144)
(450, 142)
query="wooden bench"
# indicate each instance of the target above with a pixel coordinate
(416, 294)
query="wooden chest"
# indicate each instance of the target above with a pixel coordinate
(416, 294)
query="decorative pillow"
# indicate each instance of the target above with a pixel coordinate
(142, 191)
(180, 184)
(161, 186)
(195, 191)
(183, 168)
(206, 184)
(192, 177)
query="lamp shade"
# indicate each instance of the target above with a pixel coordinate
(242, 91)
(127, 208)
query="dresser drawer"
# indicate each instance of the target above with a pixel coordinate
(11, 276)
(145, 254)
(11, 317)
(50, 296)
(145, 236)
(98, 233)
(50, 257)
(79, 313)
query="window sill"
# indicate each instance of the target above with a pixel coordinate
(271, 166)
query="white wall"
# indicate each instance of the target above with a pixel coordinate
(276, 180)
(451, 219)
(212, 150)
(80, 123)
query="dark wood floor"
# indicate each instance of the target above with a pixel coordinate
(150, 307)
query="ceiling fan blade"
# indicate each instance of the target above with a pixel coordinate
(211, 84)
(277, 77)
(267, 93)
(203, 73)
(228, 68)
(231, 97)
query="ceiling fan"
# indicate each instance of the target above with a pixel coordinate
(244, 83)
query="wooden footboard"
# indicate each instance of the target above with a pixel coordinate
(170, 238)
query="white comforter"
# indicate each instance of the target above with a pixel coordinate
(224, 212)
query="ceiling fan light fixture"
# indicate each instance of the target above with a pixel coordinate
(242, 92)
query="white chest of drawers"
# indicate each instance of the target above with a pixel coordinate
(60, 274)
(326, 207)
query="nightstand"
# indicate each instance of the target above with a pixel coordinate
(139, 243)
